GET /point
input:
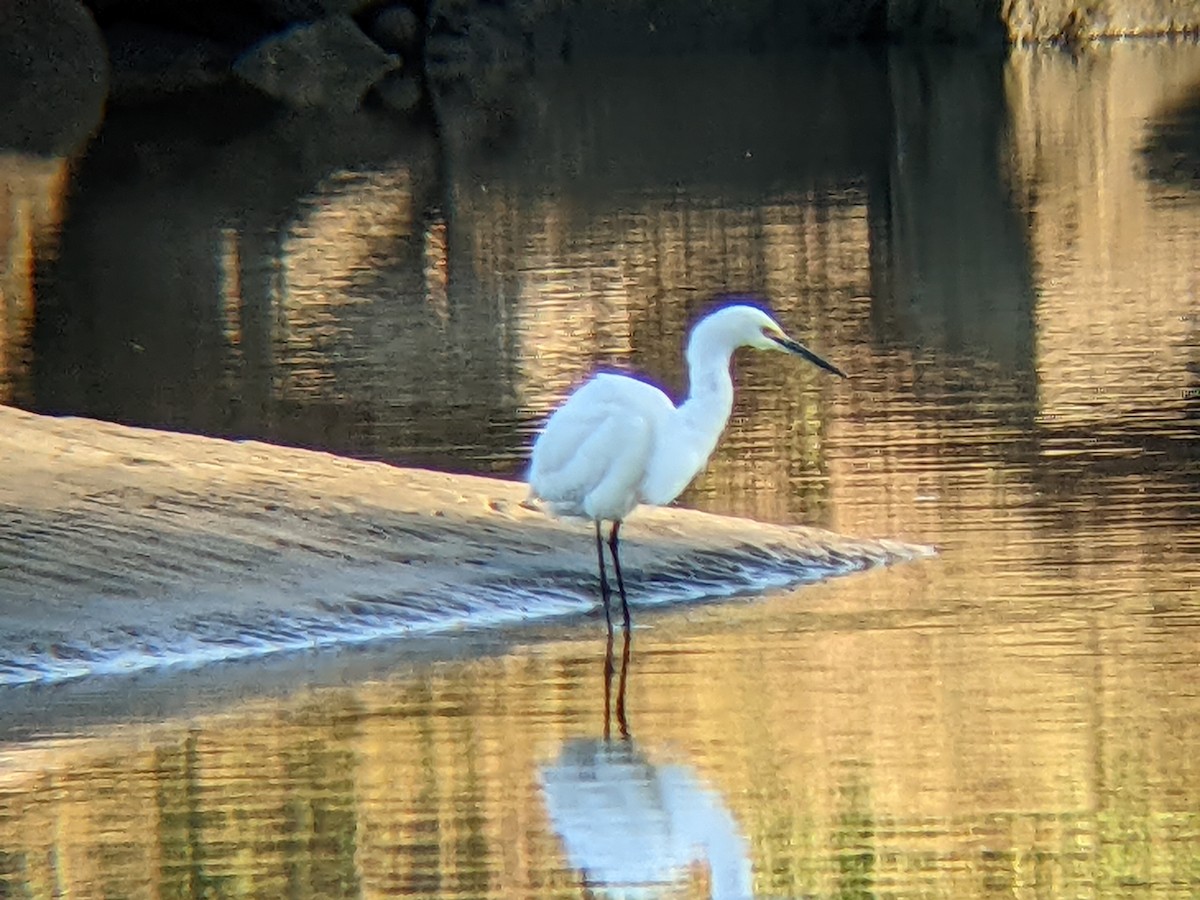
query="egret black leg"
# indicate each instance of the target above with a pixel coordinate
(604, 590)
(612, 545)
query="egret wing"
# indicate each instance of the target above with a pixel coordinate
(672, 469)
(597, 445)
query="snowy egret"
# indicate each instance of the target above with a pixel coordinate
(618, 442)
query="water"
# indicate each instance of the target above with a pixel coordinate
(1001, 252)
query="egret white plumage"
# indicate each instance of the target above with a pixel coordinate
(618, 442)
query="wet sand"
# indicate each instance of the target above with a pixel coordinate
(127, 548)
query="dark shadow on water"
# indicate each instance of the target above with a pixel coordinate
(1172, 151)
(88, 705)
(956, 274)
(173, 244)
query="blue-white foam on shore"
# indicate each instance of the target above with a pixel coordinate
(356, 617)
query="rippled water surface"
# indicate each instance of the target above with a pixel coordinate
(1000, 252)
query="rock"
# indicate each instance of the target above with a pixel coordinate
(1071, 21)
(456, 16)
(349, 7)
(399, 92)
(148, 61)
(238, 23)
(398, 29)
(53, 75)
(449, 57)
(329, 64)
(287, 10)
(482, 45)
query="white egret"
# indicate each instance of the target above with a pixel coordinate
(618, 442)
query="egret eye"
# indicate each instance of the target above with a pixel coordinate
(774, 335)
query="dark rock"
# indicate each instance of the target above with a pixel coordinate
(236, 22)
(311, 10)
(148, 62)
(328, 64)
(396, 28)
(449, 57)
(349, 7)
(53, 75)
(399, 92)
(481, 44)
(455, 16)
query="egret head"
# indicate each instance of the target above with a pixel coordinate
(745, 325)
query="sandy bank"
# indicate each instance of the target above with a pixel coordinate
(123, 548)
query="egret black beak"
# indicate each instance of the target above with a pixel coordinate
(800, 350)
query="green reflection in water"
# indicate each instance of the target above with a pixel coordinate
(853, 840)
(420, 789)
(181, 816)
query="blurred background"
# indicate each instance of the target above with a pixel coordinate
(998, 246)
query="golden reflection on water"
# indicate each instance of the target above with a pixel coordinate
(1100, 231)
(31, 210)
(1017, 716)
(896, 732)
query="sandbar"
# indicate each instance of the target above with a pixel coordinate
(125, 548)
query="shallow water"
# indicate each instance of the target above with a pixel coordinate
(1001, 253)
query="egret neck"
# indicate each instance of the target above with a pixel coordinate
(710, 387)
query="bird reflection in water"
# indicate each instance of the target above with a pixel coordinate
(622, 722)
(636, 828)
